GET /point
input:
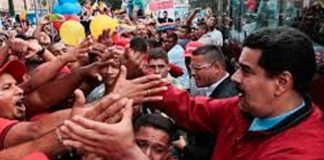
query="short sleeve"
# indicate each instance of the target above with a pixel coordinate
(5, 126)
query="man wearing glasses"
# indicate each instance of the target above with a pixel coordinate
(208, 71)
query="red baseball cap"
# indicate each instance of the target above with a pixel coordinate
(191, 46)
(15, 68)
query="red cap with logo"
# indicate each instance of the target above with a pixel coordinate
(15, 68)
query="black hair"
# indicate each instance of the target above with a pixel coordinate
(211, 53)
(157, 121)
(158, 53)
(152, 43)
(285, 49)
(138, 44)
(186, 28)
(24, 37)
(173, 36)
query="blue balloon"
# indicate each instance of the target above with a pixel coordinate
(61, 2)
(78, 8)
(70, 1)
(68, 8)
(57, 9)
(67, 1)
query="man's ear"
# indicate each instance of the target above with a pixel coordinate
(284, 82)
(217, 67)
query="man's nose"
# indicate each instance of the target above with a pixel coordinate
(148, 152)
(18, 90)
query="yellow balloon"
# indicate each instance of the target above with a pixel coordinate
(102, 22)
(72, 32)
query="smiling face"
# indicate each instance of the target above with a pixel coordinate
(11, 98)
(111, 72)
(153, 142)
(257, 89)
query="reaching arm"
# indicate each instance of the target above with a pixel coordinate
(48, 144)
(195, 113)
(50, 69)
(59, 89)
(26, 131)
(191, 17)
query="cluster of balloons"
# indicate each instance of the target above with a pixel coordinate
(67, 7)
(72, 32)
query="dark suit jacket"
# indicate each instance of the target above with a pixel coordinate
(200, 145)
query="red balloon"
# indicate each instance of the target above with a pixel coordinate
(57, 25)
(72, 17)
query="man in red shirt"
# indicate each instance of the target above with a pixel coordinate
(272, 119)
(19, 139)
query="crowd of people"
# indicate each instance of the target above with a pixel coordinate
(157, 93)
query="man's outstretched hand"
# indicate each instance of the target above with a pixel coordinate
(142, 89)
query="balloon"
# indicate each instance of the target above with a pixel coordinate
(61, 1)
(70, 1)
(57, 9)
(101, 23)
(57, 25)
(72, 32)
(68, 8)
(78, 8)
(72, 17)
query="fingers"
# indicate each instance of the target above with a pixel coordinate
(79, 98)
(152, 84)
(91, 125)
(111, 110)
(115, 118)
(122, 74)
(85, 147)
(156, 90)
(151, 99)
(100, 106)
(146, 78)
(128, 113)
(77, 132)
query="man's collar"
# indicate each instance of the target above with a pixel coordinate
(262, 124)
(290, 120)
(209, 90)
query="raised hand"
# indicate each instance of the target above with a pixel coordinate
(18, 47)
(113, 141)
(142, 89)
(106, 38)
(80, 51)
(106, 109)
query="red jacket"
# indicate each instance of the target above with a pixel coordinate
(298, 137)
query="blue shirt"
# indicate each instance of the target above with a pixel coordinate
(176, 56)
(262, 124)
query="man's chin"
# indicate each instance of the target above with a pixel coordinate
(19, 116)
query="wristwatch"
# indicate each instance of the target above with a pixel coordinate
(41, 52)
